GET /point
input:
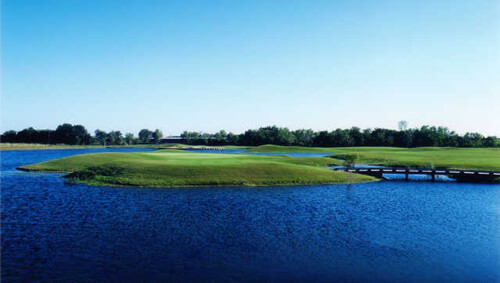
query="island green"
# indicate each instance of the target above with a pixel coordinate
(173, 168)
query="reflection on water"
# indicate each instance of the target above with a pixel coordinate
(417, 177)
(383, 231)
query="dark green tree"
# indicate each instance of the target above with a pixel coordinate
(157, 135)
(101, 136)
(145, 136)
(129, 138)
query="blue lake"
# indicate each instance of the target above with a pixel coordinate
(384, 231)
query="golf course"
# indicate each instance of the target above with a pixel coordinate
(179, 168)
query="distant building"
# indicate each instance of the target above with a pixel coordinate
(173, 139)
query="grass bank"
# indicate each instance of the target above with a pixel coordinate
(445, 157)
(171, 168)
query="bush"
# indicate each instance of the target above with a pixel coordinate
(91, 172)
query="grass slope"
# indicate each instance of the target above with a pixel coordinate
(170, 168)
(447, 157)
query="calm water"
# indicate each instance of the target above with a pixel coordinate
(386, 231)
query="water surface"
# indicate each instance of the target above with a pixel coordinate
(390, 231)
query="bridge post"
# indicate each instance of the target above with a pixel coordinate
(433, 177)
(407, 175)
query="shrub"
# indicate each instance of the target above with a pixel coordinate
(91, 172)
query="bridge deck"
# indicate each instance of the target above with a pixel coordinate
(463, 175)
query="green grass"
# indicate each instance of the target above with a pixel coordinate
(290, 149)
(171, 168)
(445, 157)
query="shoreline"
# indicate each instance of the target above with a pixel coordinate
(156, 147)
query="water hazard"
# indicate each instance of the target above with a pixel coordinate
(404, 231)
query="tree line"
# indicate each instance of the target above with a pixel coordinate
(403, 137)
(78, 135)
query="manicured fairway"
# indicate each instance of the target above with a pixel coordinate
(448, 157)
(171, 168)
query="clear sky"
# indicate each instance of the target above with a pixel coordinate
(234, 65)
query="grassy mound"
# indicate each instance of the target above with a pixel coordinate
(170, 168)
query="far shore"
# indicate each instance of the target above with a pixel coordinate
(36, 146)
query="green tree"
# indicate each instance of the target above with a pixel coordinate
(115, 138)
(206, 137)
(129, 138)
(402, 125)
(356, 136)
(157, 135)
(191, 137)
(9, 136)
(221, 137)
(101, 136)
(145, 136)
(350, 160)
(81, 134)
(232, 139)
(69, 134)
(473, 140)
(304, 137)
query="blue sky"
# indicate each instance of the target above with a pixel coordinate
(234, 65)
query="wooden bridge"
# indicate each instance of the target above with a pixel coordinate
(459, 175)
